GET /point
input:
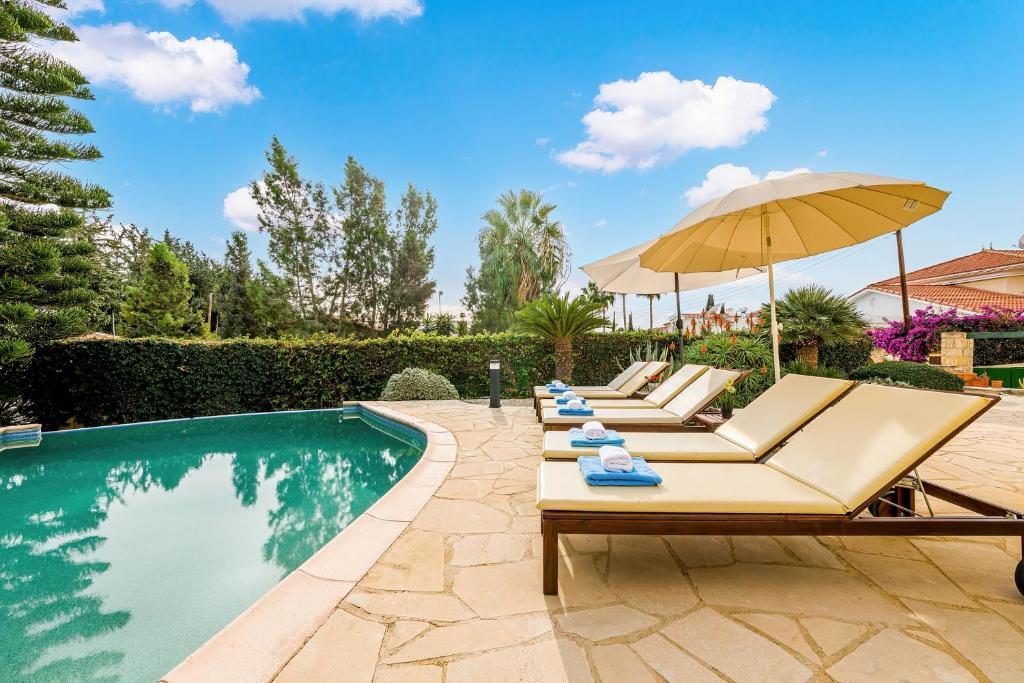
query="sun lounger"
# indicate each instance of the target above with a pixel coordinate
(658, 398)
(696, 396)
(819, 483)
(624, 385)
(753, 432)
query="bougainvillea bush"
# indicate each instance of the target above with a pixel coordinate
(927, 326)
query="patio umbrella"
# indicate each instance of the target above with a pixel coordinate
(621, 273)
(789, 218)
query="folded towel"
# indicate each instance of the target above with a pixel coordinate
(594, 430)
(575, 411)
(574, 403)
(557, 390)
(615, 459)
(563, 399)
(578, 438)
(595, 475)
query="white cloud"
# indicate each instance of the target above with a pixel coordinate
(238, 11)
(655, 118)
(543, 141)
(725, 178)
(159, 69)
(76, 7)
(570, 184)
(600, 223)
(822, 152)
(241, 209)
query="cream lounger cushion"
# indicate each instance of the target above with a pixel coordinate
(546, 395)
(780, 410)
(686, 487)
(655, 446)
(658, 398)
(699, 393)
(870, 438)
(623, 385)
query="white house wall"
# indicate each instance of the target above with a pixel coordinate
(880, 307)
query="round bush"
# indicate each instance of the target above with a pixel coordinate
(914, 374)
(417, 384)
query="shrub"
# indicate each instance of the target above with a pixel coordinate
(885, 382)
(96, 382)
(417, 384)
(914, 374)
(927, 326)
(845, 356)
(799, 367)
(739, 351)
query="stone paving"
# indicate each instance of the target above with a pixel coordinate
(457, 597)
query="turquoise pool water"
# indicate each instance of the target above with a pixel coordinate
(123, 549)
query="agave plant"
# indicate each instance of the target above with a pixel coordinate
(559, 319)
(813, 315)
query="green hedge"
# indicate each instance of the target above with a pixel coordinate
(95, 382)
(846, 356)
(914, 374)
(998, 351)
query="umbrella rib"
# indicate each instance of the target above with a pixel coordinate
(870, 188)
(728, 243)
(827, 217)
(879, 213)
(801, 237)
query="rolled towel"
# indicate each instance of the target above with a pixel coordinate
(574, 404)
(569, 395)
(559, 383)
(615, 459)
(594, 430)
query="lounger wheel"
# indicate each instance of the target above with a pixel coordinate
(875, 507)
(1018, 577)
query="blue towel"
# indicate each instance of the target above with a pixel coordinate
(562, 400)
(555, 390)
(578, 439)
(575, 411)
(596, 475)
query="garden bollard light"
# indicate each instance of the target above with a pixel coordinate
(495, 370)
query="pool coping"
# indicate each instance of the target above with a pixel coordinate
(259, 642)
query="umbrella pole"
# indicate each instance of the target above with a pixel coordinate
(679, 317)
(766, 229)
(624, 329)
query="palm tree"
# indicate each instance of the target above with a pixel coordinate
(812, 316)
(650, 307)
(523, 252)
(596, 295)
(559, 319)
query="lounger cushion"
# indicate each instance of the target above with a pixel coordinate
(614, 416)
(686, 487)
(871, 437)
(679, 380)
(586, 392)
(631, 371)
(626, 403)
(655, 446)
(779, 411)
(637, 381)
(700, 392)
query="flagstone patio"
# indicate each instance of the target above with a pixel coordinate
(458, 596)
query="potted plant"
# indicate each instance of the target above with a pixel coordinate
(727, 401)
(996, 383)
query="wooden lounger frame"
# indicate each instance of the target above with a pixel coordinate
(994, 520)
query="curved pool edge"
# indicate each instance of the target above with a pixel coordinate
(259, 642)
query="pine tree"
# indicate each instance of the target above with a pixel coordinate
(159, 305)
(47, 271)
(237, 307)
(409, 286)
(367, 242)
(204, 273)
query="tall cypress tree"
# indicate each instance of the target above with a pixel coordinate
(47, 280)
(238, 308)
(159, 305)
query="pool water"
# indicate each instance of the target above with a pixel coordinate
(123, 549)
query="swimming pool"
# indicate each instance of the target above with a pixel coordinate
(123, 549)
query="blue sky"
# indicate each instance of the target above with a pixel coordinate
(470, 99)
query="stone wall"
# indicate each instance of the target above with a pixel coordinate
(957, 352)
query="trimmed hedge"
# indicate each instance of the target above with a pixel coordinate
(998, 351)
(914, 374)
(95, 382)
(847, 356)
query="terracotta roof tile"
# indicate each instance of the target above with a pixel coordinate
(986, 259)
(956, 296)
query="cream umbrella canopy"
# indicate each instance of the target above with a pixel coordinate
(621, 273)
(789, 218)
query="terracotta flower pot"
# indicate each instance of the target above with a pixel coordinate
(997, 384)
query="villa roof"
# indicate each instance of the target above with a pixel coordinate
(982, 261)
(954, 296)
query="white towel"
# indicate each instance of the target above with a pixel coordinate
(615, 459)
(593, 430)
(574, 404)
(560, 384)
(569, 395)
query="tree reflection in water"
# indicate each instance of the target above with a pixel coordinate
(54, 499)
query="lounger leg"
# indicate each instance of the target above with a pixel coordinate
(550, 561)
